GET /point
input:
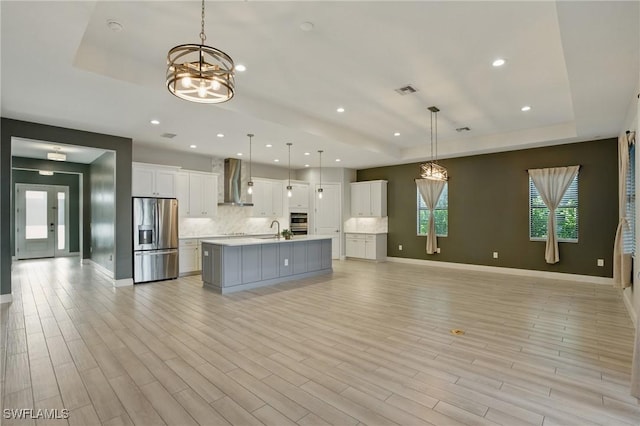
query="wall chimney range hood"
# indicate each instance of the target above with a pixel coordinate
(232, 183)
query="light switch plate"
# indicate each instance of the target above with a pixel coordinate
(400, 247)
(600, 262)
(495, 254)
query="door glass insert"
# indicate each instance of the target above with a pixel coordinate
(61, 223)
(36, 215)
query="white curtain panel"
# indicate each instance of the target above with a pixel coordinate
(622, 260)
(552, 183)
(431, 191)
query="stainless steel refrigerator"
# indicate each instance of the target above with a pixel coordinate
(155, 239)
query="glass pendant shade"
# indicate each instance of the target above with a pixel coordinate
(320, 190)
(250, 182)
(200, 73)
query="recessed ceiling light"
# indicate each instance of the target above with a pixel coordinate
(155, 122)
(239, 154)
(240, 68)
(338, 160)
(268, 145)
(306, 165)
(396, 134)
(498, 62)
(340, 109)
(193, 146)
(276, 161)
(307, 153)
(525, 108)
(220, 135)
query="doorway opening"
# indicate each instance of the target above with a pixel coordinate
(42, 221)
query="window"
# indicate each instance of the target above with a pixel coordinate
(629, 240)
(566, 214)
(441, 214)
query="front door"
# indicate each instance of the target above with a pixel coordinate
(329, 215)
(42, 218)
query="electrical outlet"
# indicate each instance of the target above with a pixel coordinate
(495, 254)
(438, 250)
(400, 247)
(600, 262)
(286, 262)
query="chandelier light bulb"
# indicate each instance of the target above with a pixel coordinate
(186, 82)
(202, 90)
(215, 85)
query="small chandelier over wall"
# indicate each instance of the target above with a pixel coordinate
(431, 169)
(200, 73)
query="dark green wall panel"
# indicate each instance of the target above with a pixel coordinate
(488, 209)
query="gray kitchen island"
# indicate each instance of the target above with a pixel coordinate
(244, 263)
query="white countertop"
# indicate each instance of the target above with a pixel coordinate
(221, 236)
(364, 232)
(256, 241)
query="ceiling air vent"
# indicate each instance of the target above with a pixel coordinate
(406, 90)
(168, 135)
(463, 129)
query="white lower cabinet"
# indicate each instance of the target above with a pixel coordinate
(366, 246)
(189, 256)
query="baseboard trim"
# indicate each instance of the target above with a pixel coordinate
(6, 298)
(124, 282)
(99, 268)
(626, 297)
(506, 271)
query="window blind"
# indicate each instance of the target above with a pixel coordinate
(566, 214)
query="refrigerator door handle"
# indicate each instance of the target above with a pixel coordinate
(155, 252)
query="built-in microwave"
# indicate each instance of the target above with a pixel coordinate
(298, 223)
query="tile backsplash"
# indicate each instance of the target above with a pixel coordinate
(229, 220)
(367, 224)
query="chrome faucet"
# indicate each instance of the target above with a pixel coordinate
(278, 223)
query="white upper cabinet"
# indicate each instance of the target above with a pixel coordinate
(299, 200)
(369, 199)
(267, 198)
(153, 181)
(197, 194)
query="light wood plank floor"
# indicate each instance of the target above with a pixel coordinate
(369, 344)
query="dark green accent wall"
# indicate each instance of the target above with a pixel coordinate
(10, 128)
(488, 209)
(70, 180)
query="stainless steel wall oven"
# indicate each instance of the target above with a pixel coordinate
(298, 223)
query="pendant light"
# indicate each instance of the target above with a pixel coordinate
(289, 187)
(250, 182)
(431, 169)
(200, 73)
(320, 190)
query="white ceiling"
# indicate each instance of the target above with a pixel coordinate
(575, 63)
(29, 148)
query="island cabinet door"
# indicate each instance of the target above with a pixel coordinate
(232, 267)
(286, 259)
(314, 255)
(300, 257)
(270, 257)
(251, 261)
(326, 254)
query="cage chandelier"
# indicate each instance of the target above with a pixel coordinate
(200, 73)
(431, 169)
